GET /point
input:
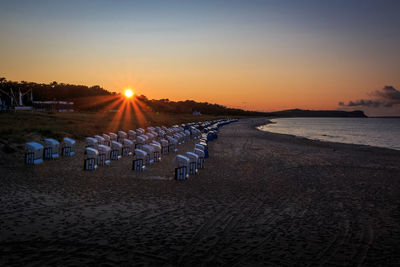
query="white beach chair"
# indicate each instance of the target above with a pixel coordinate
(150, 153)
(200, 161)
(113, 137)
(91, 142)
(121, 136)
(187, 135)
(150, 129)
(128, 147)
(181, 167)
(104, 155)
(198, 146)
(91, 159)
(173, 144)
(194, 158)
(157, 151)
(149, 137)
(67, 147)
(139, 161)
(100, 139)
(140, 131)
(51, 148)
(107, 140)
(178, 137)
(164, 146)
(116, 150)
(33, 153)
(156, 142)
(132, 135)
(140, 141)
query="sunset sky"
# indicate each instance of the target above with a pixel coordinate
(258, 55)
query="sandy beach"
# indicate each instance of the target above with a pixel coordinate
(263, 199)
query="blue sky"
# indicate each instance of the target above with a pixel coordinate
(268, 54)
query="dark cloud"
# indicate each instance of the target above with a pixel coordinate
(389, 93)
(365, 103)
(388, 96)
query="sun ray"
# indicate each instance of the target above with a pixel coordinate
(115, 115)
(141, 119)
(121, 122)
(145, 109)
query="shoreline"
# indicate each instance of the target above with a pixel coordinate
(262, 199)
(322, 141)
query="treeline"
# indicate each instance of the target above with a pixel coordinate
(189, 106)
(107, 103)
(47, 92)
(96, 98)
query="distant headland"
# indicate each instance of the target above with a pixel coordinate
(318, 113)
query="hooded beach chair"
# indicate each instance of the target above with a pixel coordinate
(116, 150)
(150, 153)
(140, 131)
(67, 147)
(100, 139)
(33, 153)
(173, 144)
(181, 167)
(107, 140)
(164, 146)
(157, 151)
(121, 136)
(91, 142)
(200, 161)
(139, 160)
(140, 141)
(113, 137)
(194, 158)
(128, 147)
(51, 148)
(104, 155)
(132, 135)
(90, 163)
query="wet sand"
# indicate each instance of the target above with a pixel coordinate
(263, 199)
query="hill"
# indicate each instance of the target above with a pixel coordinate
(318, 113)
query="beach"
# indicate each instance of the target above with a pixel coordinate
(263, 199)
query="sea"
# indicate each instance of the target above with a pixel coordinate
(379, 132)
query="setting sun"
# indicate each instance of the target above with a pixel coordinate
(128, 93)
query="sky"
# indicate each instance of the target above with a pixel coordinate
(256, 55)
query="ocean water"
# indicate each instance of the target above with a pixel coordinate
(380, 132)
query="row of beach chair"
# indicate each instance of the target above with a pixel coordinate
(146, 146)
(36, 152)
(190, 163)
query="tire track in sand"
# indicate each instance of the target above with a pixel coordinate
(216, 249)
(270, 220)
(331, 249)
(366, 241)
(207, 228)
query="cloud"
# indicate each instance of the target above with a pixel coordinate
(388, 96)
(365, 103)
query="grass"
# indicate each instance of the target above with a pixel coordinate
(22, 126)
